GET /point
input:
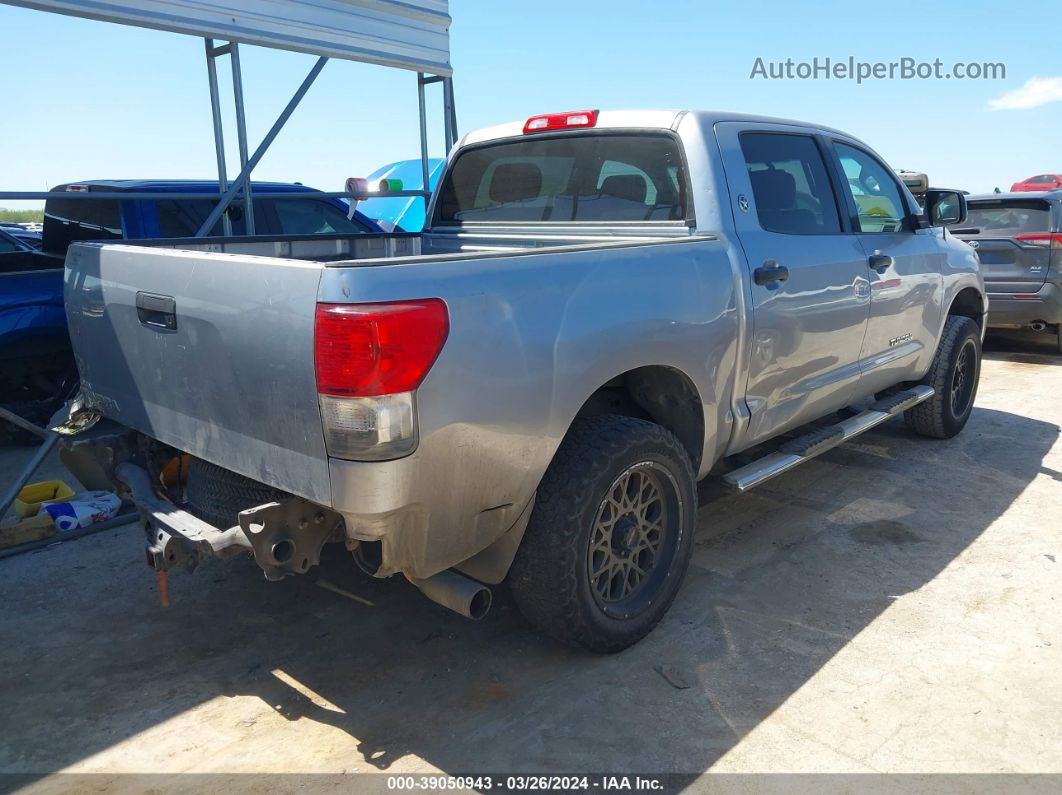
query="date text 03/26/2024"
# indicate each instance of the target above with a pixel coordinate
(525, 782)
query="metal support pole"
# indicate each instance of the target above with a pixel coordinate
(241, 131)
(27, 473)
(278, 125)
(70, 535)
(25, 425)
(219, 133)
(423, 135)
(451, 114)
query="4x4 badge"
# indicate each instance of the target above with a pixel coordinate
(743, 203)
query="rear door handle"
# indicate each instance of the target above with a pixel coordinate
(770, 272)
(156, 311)
(879, 262)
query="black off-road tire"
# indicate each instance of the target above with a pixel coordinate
(550, 579)
(216, 495)
(943, 416)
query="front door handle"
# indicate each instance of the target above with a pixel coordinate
(770, 272)
(879, 262)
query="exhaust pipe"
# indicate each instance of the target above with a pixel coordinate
(1039, 325)
(457, 592)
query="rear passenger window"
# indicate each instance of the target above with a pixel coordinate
(183, 217)
(790, 184)
(875, 193)
(312, 217)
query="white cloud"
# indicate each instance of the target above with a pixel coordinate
(1037, 91)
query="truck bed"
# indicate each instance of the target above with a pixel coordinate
(211, 351)
(316, 248)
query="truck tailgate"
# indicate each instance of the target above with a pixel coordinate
(209, 353)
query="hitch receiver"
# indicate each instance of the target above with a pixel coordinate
(287, 536)
(284, 537)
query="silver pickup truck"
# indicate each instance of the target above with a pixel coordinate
(604, 307)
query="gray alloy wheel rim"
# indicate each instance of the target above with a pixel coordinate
(633, 539)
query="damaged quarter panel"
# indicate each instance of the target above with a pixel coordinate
(531, 338)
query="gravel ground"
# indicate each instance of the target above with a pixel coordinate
(891, 607)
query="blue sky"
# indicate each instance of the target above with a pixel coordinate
(99, 100)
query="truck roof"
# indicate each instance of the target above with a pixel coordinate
(659, 119)
(210, 186)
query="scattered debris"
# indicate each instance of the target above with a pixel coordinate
(672, 676)
(33, 528)
(322, 583)
(83, 510)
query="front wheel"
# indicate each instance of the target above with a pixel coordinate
(610, 536)
(954, 374)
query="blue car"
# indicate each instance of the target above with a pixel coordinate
(402, 213)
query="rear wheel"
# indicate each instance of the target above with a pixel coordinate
(610, 536)
(953, 375)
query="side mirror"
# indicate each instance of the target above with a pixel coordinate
(945, 207)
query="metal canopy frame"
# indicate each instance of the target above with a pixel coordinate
(407, 34)
(240, 187)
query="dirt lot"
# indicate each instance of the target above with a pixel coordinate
(893, 606)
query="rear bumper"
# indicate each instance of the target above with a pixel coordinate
(426, 518)
(285, 538)
(1008, 310)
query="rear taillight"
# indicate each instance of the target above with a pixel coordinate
(369, 359)
(1044, 241)
(572, 119)
(365, 350)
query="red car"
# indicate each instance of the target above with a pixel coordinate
(1039, 182)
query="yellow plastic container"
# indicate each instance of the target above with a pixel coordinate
(34, 495)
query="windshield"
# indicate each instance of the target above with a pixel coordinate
(589, 178)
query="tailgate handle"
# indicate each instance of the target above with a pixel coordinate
(156, 311)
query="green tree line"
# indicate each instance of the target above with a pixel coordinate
(21, 216)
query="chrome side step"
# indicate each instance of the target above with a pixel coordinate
(795, 452)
